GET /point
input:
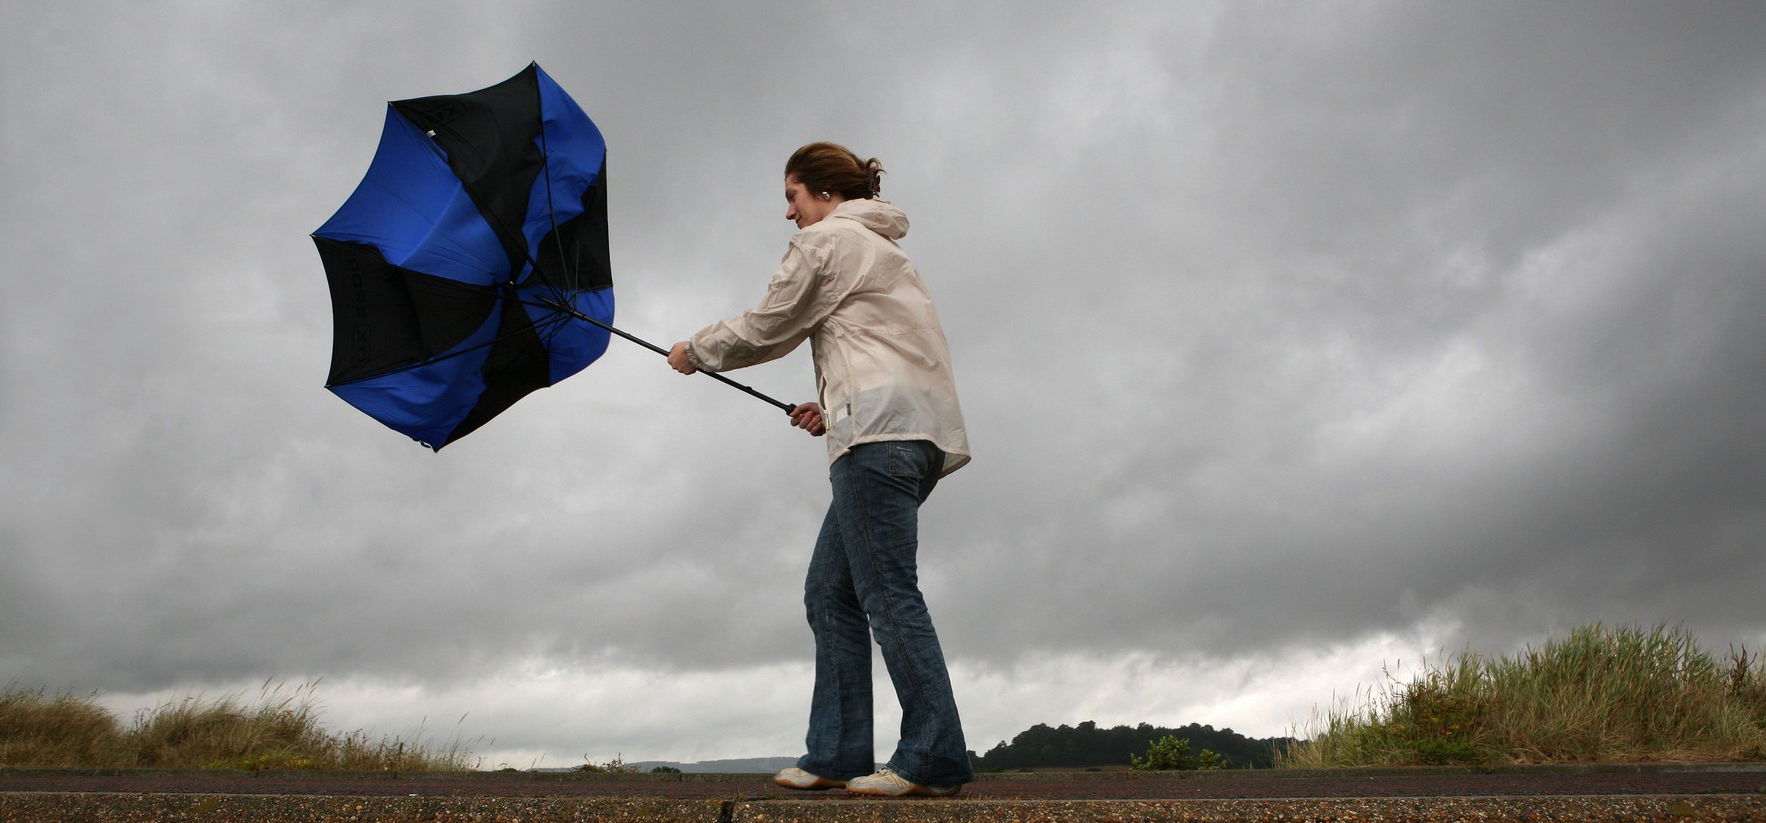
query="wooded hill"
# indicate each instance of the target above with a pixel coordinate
(1087, 745)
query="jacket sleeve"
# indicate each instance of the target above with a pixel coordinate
(797, 300)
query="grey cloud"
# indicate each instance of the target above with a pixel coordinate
(1276, 327)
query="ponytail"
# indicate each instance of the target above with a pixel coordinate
(832, 167)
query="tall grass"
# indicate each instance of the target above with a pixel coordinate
(281, 731)
(1602, 694)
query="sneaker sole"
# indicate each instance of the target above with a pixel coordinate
(916, 791)
(821, 783)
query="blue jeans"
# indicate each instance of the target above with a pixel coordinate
(863, 582)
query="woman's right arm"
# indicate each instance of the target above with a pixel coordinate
(797, 299)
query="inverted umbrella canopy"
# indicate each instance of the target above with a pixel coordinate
(463, 264)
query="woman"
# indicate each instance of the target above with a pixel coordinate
(888, 406)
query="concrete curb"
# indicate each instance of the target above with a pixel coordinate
(1578, 809)
(1567, 769)
(37, 807)
(97, 807)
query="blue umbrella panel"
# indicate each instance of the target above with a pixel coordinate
(464, 266)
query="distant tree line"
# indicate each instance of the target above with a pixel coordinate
(1088, 745)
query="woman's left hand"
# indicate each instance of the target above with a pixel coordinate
(808, 416)
(677, 357)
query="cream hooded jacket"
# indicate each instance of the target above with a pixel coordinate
(882, 364)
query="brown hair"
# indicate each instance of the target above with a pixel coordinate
(832, 167)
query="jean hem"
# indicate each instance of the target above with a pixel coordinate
(942, 783)
(822, 771)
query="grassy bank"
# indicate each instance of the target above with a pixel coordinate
(1602, 694)
(280, 731)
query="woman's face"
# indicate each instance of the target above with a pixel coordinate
(806, 208)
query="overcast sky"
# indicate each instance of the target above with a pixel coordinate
(1295, 340)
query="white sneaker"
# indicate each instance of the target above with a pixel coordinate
(795, 778)
(886, 783)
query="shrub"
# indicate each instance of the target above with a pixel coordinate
(1173, 753)
(615, 766)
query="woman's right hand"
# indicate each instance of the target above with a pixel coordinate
(808, 416)
(680, 360)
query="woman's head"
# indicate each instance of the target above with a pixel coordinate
(820, 176)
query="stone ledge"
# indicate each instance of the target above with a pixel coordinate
(97, 807)
(1653, 767)
(1576, 809)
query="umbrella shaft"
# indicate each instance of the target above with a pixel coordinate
(571, 310)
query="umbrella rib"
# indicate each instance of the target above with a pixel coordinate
(569, 275)
(490, 218)
(497, 224)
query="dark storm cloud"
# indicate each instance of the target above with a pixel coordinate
(1455, 250)
(1275, 326)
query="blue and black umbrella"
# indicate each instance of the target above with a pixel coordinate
(470, 266)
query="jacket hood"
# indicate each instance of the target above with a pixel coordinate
(877, 215)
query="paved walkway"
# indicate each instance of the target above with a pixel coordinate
(1677, 792)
